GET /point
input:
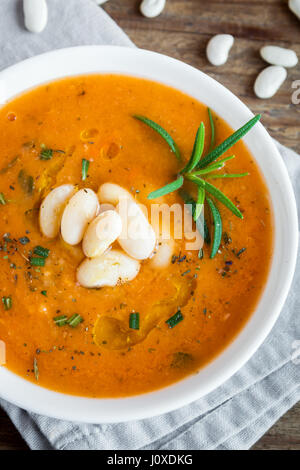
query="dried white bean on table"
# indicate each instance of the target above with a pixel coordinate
(218, 48)
(279, 56)
(107, 270)
(269, 81)
(152, 8)
(81, 209)
(52, 207)
(35, 15)
(101, 233)
(294, 6)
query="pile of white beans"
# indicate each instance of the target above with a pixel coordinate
(99, 220)
(269, 79)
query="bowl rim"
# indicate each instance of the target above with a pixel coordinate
(85, 60)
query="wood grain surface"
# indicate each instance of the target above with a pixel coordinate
(182, 31)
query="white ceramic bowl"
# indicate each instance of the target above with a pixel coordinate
(140, 63)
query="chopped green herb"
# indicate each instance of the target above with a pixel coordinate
(44, 292)
(74, 320)
(175, 319)
(37, 261)
(134, 321)
(84, 168)
(7, 302)
(2, 199)
(46, 154)
(41, 251)
(61, 320)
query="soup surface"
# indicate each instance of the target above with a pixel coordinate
(90, 117)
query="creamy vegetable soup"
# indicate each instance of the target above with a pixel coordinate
(95, 300)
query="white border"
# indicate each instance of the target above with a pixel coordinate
(136, 62)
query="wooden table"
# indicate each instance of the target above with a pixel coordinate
(182, 31)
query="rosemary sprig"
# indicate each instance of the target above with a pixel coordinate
(198, 168)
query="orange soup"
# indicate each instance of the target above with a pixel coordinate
(166, 322)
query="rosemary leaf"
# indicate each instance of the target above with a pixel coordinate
(162, 132)
(169, 188)
(212, 130)
(197, 150)
(228, 175)
(229, 142)
(217, 227)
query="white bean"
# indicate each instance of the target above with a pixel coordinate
(35, 15)
(163, 254)
(101, 233)
(111, 193)
(218, 48)
(52, 208)
(80, 210)
(152, 8)
(294, 6)
(138, 237)
(109, 269)
(269, 81)
(279, 56)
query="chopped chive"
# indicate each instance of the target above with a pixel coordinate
(7, 302)
(36, 369)
(175, 319)
(41, 251)
(37, 261)
(217, 227)
(61, 320)
(74, 320)
(201, 253)
(134, 321)
(44, 292)
(46, 154)
(212, 129)
(162, 132)
(84, 168)
(169, 188)
(2, 199)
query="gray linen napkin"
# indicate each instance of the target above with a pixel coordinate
(239, 412)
